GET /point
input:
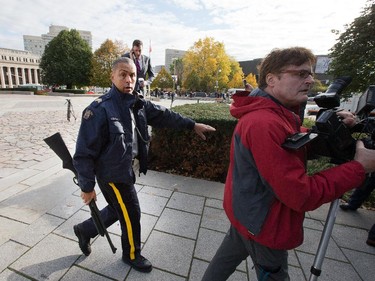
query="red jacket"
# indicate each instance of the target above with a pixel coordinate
(267, 190)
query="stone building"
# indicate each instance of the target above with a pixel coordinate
(18, 67)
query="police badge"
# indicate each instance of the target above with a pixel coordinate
(88, 113)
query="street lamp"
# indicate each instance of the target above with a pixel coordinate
(217, 80)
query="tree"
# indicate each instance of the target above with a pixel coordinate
(163, 80)
(207, 67)
(354, 53)
(252, 80)
(177, 68)
(103, 59)
(67, 60)
(236, 75)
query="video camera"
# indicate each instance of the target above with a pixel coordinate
(335, 139)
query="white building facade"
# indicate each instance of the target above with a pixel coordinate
(18, 67)
(37, 44)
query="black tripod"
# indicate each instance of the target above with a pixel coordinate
(316, 268)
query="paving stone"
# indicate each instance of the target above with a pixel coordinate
(214, 203)
(66, 209)
(154, 275)
(156, 191)
(179, 223)
(10, 227)
(332, 270)
(42, 175)
(9, 252)
(169, 252)
(186, 202)
(292, 258)
(215, 219)
(50, 259)
(77, 273)
(4, 172)
(195, 187)
(12, 190)
(45, 195)
(314, 224)
(38, 230)
(151, 204)
(12, 276)
(147, 225)
(311, 244)
(16, 178)
(199, 267)
(207, 243)
(352, 238)
(363, 263)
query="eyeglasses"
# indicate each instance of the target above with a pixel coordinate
(303, 74)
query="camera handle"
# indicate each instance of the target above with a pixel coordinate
(316, 268)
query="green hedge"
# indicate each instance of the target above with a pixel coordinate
(72, 91)
(20, 89)
(185, 153)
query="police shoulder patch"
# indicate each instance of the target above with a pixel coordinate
(88, 114)
(101, 99)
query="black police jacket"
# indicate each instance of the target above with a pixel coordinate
(105, 138)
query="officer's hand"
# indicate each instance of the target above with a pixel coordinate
(88, 196)
(200, 129)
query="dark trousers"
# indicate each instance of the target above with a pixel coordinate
(123, 206)
(361, 193)
(269, 264)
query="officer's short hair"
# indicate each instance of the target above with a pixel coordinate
(125, 60)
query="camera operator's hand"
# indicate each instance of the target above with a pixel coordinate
(365, 156)
(348, 118)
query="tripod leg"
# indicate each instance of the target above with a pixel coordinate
(316, 268)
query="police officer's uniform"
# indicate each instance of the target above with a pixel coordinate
(105, 150)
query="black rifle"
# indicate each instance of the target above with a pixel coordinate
(57, 144)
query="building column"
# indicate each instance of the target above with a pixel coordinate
(10, 80)
(36, 76)
(23, 75)
(17, 77)
(2, 78)
(29, 75)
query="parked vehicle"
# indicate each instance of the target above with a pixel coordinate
(200, 95)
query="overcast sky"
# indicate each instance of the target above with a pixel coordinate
(249, 29)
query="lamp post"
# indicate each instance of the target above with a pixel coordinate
(217, 80)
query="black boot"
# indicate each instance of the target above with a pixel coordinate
(140, 263)
(348, 207)
(83, 241)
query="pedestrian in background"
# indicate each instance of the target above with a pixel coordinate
(145, 71)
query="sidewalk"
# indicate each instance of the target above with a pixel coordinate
(183, 222)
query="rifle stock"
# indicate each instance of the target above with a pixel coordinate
(57, 144)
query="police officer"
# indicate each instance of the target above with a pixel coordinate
(113, 133)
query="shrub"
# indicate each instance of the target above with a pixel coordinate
(185, 153)
(72, 91)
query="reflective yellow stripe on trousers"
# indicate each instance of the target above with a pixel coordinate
(127, 219)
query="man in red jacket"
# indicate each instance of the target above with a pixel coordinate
(267, 190)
